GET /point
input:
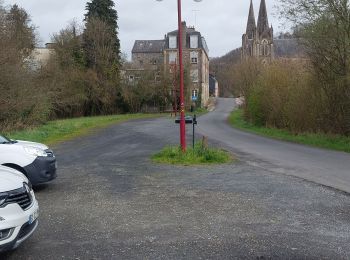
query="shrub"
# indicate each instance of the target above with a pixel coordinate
(283, 94)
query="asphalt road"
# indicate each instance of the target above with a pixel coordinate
(111, 202)
(321, 166)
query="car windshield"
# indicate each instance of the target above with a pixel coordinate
(4, 140)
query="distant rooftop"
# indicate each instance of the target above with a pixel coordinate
(189, 30)
(288, 47)
(148, 46)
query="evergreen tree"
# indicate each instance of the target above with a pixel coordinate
(104, 11)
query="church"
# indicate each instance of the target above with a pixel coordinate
(258, 41)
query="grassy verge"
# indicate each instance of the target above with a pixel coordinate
(334, 142)
(62, 130)
(197, 156)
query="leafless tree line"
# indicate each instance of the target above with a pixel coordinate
(304, 95)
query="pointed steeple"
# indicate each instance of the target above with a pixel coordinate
(251, 25)
(263, 21)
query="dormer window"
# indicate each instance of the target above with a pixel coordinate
(194, 41)
(172, 42)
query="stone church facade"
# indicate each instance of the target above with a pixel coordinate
(258, 41)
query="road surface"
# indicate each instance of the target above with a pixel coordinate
(111, 202)
(321, 166)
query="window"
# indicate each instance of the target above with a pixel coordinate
(131, 78)
(194, 75)
(172, 42)
(194, 41)
(172, 57)
(265, 48)
(194, 57)
(157, 76)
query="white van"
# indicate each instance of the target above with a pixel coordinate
(36, 161)
(19, 209)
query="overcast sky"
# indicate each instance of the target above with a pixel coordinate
(221, 22)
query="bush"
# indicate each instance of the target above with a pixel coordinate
(284, 95)
(254, 112)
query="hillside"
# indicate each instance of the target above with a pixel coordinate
(285, 46)
(221, 68)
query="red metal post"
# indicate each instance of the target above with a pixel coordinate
(175, 88)
(182, 99)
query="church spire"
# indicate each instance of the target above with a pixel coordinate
(263, 21)
(251, 25)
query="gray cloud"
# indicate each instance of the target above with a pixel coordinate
(221, 22)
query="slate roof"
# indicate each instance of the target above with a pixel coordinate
(189, 31)
(148, 46)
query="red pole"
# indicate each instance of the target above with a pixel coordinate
(175, 89)
(182, 101)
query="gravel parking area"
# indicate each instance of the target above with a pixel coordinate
(111, 202)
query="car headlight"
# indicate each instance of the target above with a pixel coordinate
(3, 197)
(35, 151)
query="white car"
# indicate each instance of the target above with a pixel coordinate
(36, 161)
(19, 209)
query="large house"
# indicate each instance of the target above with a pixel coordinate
(152, 54)
(148, 54)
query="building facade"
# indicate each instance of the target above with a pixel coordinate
(41, 56)
(154, 54)
(148, 54)
(147, 58)
(258, 41)
(213, 86)
(195, 59)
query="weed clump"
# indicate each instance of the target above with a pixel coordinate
(200, 154)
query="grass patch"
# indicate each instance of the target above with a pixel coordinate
(57, 131)
(197, 156)
(334, 142)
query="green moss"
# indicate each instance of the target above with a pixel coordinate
(334, 142)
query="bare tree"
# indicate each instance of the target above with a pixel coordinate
(324, 29)
(22, 100)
